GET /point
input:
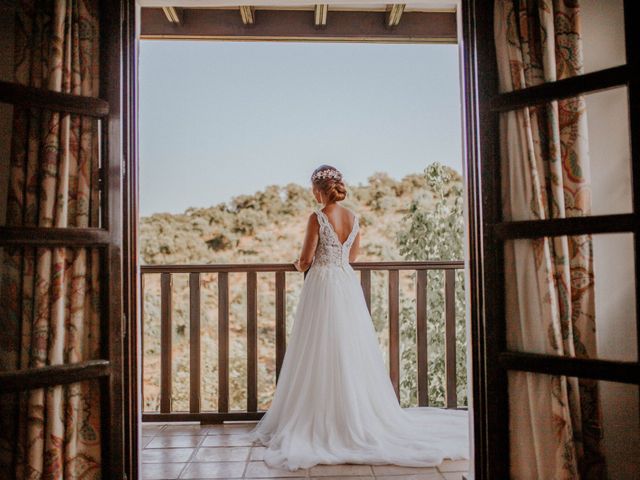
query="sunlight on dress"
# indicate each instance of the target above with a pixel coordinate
(334, 402)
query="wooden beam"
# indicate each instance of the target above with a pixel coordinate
(394, 13)
(52, 375)
(294, 25)
(173, 14)
(320, 17)
(69, 237)
(555, 227)
(608, 370)
(247, 13)
(557, 90)
(16, 94)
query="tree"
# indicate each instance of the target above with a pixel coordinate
(434, 231)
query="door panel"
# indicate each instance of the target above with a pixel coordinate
(61, 241)
(492, 271)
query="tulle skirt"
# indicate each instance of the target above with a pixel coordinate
(334, 401)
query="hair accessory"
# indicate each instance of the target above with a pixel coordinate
(327, 173)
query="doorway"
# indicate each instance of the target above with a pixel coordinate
(196, 298)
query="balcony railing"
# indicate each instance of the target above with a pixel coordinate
(222, 271)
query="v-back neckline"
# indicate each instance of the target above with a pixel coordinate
(335, 234)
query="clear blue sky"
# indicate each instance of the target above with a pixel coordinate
(218, 119)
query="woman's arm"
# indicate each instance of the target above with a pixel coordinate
(309, 245)
(355, 248)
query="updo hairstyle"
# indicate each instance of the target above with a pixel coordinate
(328, 180)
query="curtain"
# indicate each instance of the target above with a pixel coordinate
(554, 421)
(50, 296)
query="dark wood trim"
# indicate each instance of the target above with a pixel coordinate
(132, 306)
(69, 237)
(450, 339)
(282, 25)
(112, 52)
(288, 267)
(281, 320)
(52, 375)
(194, 342)
(23, 96)
(252, 342)
(422, 339)
(567, 226)
(394, 329)
(609, 370)
(166, 348)
(632, 45)
(565, 88)
(488, 381)
(203, 417)
(223, 342)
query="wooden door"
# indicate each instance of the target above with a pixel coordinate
(491, 358)
(105, 234)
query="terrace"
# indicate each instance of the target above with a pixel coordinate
(189, 425)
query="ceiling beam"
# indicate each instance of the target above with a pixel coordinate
(394, 13)
(320, 18)
(173, 14)
(296, 25)
(247, 13)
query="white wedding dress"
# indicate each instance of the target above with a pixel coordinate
(334, 402)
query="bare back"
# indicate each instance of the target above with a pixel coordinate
(341, 219)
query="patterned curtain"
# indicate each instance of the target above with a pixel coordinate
(50, 296)
(555, 425)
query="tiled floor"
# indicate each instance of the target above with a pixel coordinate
(215, 451)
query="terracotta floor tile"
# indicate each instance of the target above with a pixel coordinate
(348, 477)
(164, 471)
(262, 470)
(257, 453)
(166, 455)
(379, 470)
(454, 466)
(214, 470)
(340, 470)
(175, 441)
(225, 441)
(418, 476)
(220, 454)
(183, 430)
(452, 475)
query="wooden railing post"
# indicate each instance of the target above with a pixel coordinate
(421, 338)
(223, 342)
(365, 281)
(252, 342)
(281, 319)
(450, 338)
(166, 355)
(252, 413)
(394, 329)
(194, 342)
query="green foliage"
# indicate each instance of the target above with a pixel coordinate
(268, 226)
(434, 230)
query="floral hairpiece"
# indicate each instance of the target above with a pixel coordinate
(327, 173)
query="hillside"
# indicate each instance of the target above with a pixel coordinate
(265, 227)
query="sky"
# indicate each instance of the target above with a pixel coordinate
(219, 119)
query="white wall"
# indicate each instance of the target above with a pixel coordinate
(603, 42)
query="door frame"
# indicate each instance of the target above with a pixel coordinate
(475, 50)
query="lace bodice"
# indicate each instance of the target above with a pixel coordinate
(330, 251)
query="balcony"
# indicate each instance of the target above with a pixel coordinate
(214, 338)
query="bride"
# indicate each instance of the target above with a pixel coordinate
(334, 402)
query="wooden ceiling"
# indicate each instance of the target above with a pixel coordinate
(319, 22)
